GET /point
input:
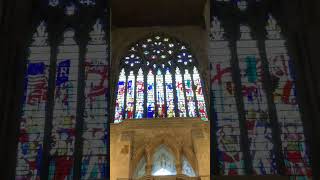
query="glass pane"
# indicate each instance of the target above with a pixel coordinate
(140, 95)
(285, 98)
(141, 168)
(187, 168)
(163, 162)
(230, 157)
(199, 94)
(160, 94)
(130, 95)
(32, 120)
(189, 94)
(180, 94)
(120, 97)
(150, 94)
(169, 95)
(256, 105)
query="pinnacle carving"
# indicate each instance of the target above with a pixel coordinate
(97, 34)
(40, 36)
(273, 30)
(216, 30)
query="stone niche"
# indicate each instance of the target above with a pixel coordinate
(133, 139)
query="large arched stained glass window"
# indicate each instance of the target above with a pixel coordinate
(159, 78)
(255, 101)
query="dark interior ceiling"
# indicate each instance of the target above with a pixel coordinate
(133, 13)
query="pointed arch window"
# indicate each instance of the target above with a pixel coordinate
(255, 102)
(163, 162)
(64, 115)
(163, 81)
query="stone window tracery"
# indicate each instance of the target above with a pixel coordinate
(159, 78)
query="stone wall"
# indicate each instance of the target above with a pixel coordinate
(133, 139)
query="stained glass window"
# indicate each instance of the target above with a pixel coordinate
(141, 168)
(187, 168)
(180, 95)
(160, 94)
(173, 81)
(169, 93)
(30, 145)
(94, 136)
(255, 104)
(151, 97)
(65, 109)
(285, 98)
(130, 95)
(163, 162)
(64, 116)
(230, 156)
(257, 116)
(119, 112)
(140, 95)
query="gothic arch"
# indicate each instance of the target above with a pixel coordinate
(177, 89)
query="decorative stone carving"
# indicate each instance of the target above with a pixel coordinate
(53, 3)
(216, 31)
(88, 2)
(70, 9)
(97, 34)
(273, 30)
(40, 36)
(242, 5)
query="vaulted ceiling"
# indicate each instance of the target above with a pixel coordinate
(133, 13)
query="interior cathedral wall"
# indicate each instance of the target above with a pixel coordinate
(130, 140)
(302, 18)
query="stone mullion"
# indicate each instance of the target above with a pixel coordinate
(44, 172)
(164, 92)
(125, 97)
(145, 90)
(81, 99)
(155, 93)
(244, 138)
(267, 83)
(135, 94)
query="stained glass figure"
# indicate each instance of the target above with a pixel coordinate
(94, 161)
(160, 94)
(140, 95)
(119, 108)
(130, 95)
(30, 142)
(284, 95)
(199, 94)
(65, 109)
(256, 105)
(150, 95)
(189, 94)
(230, 156)
(169, 94)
